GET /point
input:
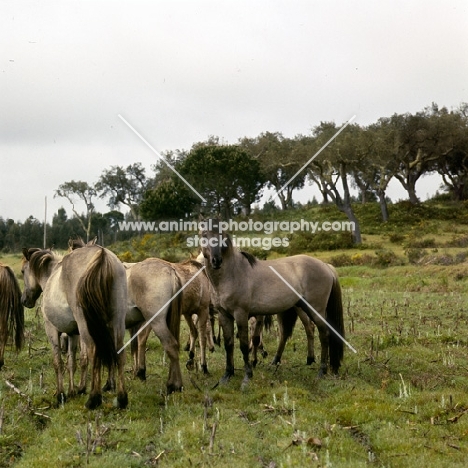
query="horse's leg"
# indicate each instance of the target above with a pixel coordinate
(317, 317)
(171, 347)
(95, 395)
(109, 386)
(72, 345)
(242, 321)
(256, 326)
(54, 339)
(140, 361)
(282, 340)
(226, 322)
(210, 332)
(193, 339)
(118, 327)
(83, 368)
(2, 350)
(203, 321)
(309, 328)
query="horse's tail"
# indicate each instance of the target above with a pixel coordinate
(175, 308)
(94, 295)
(335, 319)
(11, 309)
(287, 321)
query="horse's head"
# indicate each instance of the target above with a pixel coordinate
(214, 244)
(34, 260)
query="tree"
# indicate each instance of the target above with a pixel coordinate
(84, 192)
(451, 130)
(225, 175)
(278, 164)
(171, 199)
(124, 186)
(377, 165)
(334, 165)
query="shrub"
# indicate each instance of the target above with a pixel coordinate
(415, 254)
(397, 238)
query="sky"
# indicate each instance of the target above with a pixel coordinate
(180, 71)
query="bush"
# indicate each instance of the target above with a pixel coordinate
(415, 254)
(307, 242)
(421, 243)
(397, 238)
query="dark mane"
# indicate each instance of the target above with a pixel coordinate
(251, 259)
(193, 262)
(39, 260)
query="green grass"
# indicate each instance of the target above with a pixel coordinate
(400, 401)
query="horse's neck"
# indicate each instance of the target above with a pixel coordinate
(47, 273)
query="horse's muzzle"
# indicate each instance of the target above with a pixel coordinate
(216, 262)
(28, 302)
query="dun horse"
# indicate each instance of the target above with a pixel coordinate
(11, 311)
(146, 282)
(84, 293)
(247, 286)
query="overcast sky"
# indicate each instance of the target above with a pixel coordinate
(180, 71)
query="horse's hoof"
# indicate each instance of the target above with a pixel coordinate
(254, 363)
(71, 394)
(94, 401)
(276, 360)
(108, 387)
(172, 388)
(321, 373)
(121, 402)
(310, 360)
(82, 391)
(211, 350)
(190, 365)
(264, 354)
(226, 378)
(205, 369)
(141, 374)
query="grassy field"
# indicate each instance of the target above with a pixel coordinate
(400, 401)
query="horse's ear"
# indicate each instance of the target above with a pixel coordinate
(92, 242)
(26, 253)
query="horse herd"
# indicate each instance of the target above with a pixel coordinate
(91, 298)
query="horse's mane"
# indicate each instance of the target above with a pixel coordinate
(39, 260)
(192, 262)
(251, 259)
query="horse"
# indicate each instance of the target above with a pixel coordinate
(85, 294)
(11, 311)
(286, 321)
(247, 286)
(193, 300)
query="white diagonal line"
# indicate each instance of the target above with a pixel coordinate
(160, 157)
(316, 313)
(161, 309)
(313, 157)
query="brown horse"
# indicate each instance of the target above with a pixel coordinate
(246, 286)
(84, 293)
(11, 311)
(193, 300)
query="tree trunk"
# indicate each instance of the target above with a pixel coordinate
(348, 210)
(383, 205)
